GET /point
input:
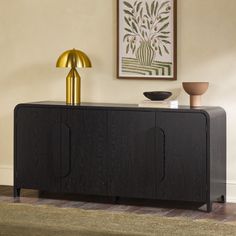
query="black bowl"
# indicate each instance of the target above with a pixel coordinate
(157, 95)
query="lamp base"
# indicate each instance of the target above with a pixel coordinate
(195, 100)
(73, 88)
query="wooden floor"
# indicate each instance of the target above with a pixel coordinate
(221, 212)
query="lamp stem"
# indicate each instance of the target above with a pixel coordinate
(73, 87)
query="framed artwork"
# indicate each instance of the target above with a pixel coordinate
(147, 39)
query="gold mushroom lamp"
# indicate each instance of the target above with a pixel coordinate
(73, 59)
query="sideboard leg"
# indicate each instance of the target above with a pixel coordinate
(222, 199)
(209, 207)
(16, 192)
(116, 199)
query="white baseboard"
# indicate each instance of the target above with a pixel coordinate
(6, 175)
(231, 191)
(6, 178)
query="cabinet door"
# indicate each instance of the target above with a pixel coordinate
(35, 166)
(185, 156)
(134, 167)
(88, 167)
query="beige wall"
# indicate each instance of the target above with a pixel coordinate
(34, 32)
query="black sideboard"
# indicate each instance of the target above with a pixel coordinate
(121, 151)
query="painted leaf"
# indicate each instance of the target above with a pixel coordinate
(166, 41)
(163, 27)
(163, 4)
(138, 6)
(126, 36)
(135, 21)
(163, 19)
(128, 5)
(163, 36)
(133, 48)
(128, 12)
(127, 49)
(152, 7)
(134, 27)
(160, 52)
(127, 21)
(148, 11)
(148, 25)
(166, 50)
(128, 30)
(165, 32)
(165, 12)
(156, 7)
(141, 13)
(153, 37)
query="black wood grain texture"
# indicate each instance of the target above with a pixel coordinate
(65, 150)
(133, 155)
(121, 151)
(61, 153)
(185, 156)
(34, 144)
(217, 155)
(88, 152)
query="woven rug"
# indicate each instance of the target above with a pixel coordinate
(27, 220)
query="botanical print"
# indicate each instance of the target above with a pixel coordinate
(146, 38)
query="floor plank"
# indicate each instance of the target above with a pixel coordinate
(221, 212)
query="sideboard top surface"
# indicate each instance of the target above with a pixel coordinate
(208, 110)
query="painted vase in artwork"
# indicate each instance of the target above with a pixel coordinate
(145, 54)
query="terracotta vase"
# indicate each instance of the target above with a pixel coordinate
(195, 90)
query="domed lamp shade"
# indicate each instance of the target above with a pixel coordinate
(73, 59)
